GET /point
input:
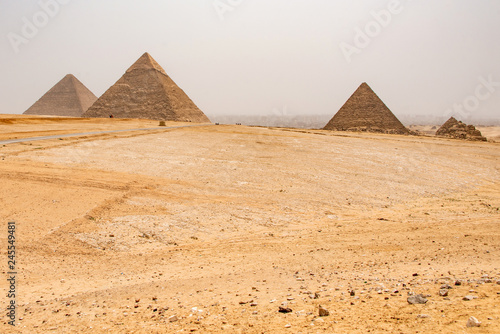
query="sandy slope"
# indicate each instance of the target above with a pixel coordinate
(27, 126)
(490, 132)
(118, 233)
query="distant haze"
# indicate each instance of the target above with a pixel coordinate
(271, 58)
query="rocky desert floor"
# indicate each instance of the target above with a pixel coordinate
(213, 229)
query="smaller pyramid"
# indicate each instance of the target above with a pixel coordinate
(145, 91)
(365, 111)
(458, 130)
(69, 97)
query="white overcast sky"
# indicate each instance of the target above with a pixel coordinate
(259, 55)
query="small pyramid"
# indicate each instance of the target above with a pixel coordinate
(69, 97)
(145, 91)
(444, 129)
(365, 111)
(458, 130)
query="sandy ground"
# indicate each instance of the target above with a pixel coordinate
(28, 126)
(490, 132)
(220, 226)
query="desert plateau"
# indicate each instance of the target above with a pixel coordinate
(237, 229)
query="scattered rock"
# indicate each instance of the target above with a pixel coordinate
(417, 299)
(285, 310)
(353, 293)
(469, 297)
(423, 316)
(443, 292)
(195, 310)
(288, 326)
(173, 318)
(458, 282)
(446, 286)
(473, 322)
(323, 312)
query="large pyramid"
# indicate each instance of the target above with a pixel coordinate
(146, 91)
(365, 111)
(456, 129)
(69, 97)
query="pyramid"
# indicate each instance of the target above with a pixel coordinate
(365, 111)
(445, 128)
(458, 130)
(69, 97)
(146, 91)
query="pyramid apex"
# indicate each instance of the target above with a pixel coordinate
(70, 79)
(365, 85)
(146, 56)
(146, 62)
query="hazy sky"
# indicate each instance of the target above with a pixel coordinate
(263, 56)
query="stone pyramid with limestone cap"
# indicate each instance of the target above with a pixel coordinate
(146, 91)
(69, 97)
(365, 111)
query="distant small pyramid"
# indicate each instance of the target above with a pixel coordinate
(458, 130)
(69, 97)
(445, 128)
(365, 111)
(145, 91)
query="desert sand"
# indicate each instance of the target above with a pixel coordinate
(211, 229)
